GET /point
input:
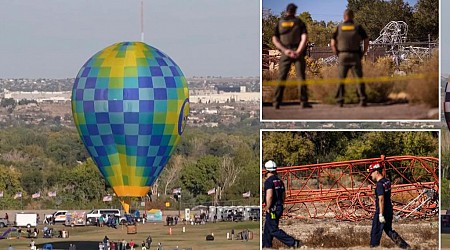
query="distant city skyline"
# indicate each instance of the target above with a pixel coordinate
(53, 39)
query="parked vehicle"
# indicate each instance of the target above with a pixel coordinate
(57, 217)
(4, 222)
(75, 219)
(254, 214)
(93, 215)
(131, 218)
(26, 220)
(238, 216)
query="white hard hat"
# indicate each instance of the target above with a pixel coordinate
(270, 166)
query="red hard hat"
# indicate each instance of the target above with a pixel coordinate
(375, 166)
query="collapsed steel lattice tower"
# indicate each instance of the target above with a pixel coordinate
(344, 190)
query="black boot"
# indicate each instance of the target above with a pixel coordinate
(399, 241)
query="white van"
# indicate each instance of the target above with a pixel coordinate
(26, 220)
(93, 215)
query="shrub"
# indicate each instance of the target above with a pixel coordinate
(426, 90)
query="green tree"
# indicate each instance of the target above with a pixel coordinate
(389, 143)
(65, 148)
(426, 20)
(373, 15)
(10, 185)
(81, 185)
(200, 176)
(445, 194)
(32, 181)
(8, 102)
(287, 148)
(269, 21)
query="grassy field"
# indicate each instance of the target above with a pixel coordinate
(87, 238)
(445, 237)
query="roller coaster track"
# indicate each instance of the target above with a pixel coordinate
(345, 191)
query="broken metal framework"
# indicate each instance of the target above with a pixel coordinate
(344, 190)
(394, 38)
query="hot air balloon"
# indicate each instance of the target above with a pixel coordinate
(130, 104)
(447, 104)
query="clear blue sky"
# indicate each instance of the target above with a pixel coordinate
(53, 38)
(326, 10)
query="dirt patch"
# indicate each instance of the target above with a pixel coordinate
(372, 112)
(325, 234)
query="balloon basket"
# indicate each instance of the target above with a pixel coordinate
(131, 229)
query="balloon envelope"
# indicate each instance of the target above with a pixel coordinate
(130, 103)
(447, 104)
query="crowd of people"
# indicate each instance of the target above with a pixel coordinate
(107, 244)
(108, 220)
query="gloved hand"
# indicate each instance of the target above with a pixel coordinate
(272, 215)
(381, 218)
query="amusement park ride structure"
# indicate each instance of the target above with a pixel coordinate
(345, 191)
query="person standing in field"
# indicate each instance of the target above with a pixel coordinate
(274, 192)
(291, 38)
(384, 213)
(346, 44)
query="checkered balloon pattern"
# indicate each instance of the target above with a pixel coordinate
(130, 103)
(447, 104)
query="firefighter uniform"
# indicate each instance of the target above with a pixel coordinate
(384, 188)
(276, 211)
(348, 37)
(289, 31)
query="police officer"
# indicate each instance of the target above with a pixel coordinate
(346, 43)
(275, 193)
(384, 213)
(291, 38)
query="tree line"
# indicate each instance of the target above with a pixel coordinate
(45, 159)
(289, 148)
(373, 15)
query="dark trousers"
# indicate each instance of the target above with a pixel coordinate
(378, 228)
(284, 67)
(271, 230)
(356, 68)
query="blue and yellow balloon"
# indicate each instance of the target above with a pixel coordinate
(130, 103)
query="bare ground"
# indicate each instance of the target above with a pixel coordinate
(326, 234)
(399, 111)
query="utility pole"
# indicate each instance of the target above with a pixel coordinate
(142, 20)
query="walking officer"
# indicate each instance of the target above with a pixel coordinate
(275, 193)
(291, 38)
(346, 44)
(384, 213)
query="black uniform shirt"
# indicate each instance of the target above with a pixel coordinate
(296, 22)
(274, 183)
(289, 31)
(384, 188)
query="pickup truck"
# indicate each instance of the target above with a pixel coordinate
(4, 222)
(58, 216)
